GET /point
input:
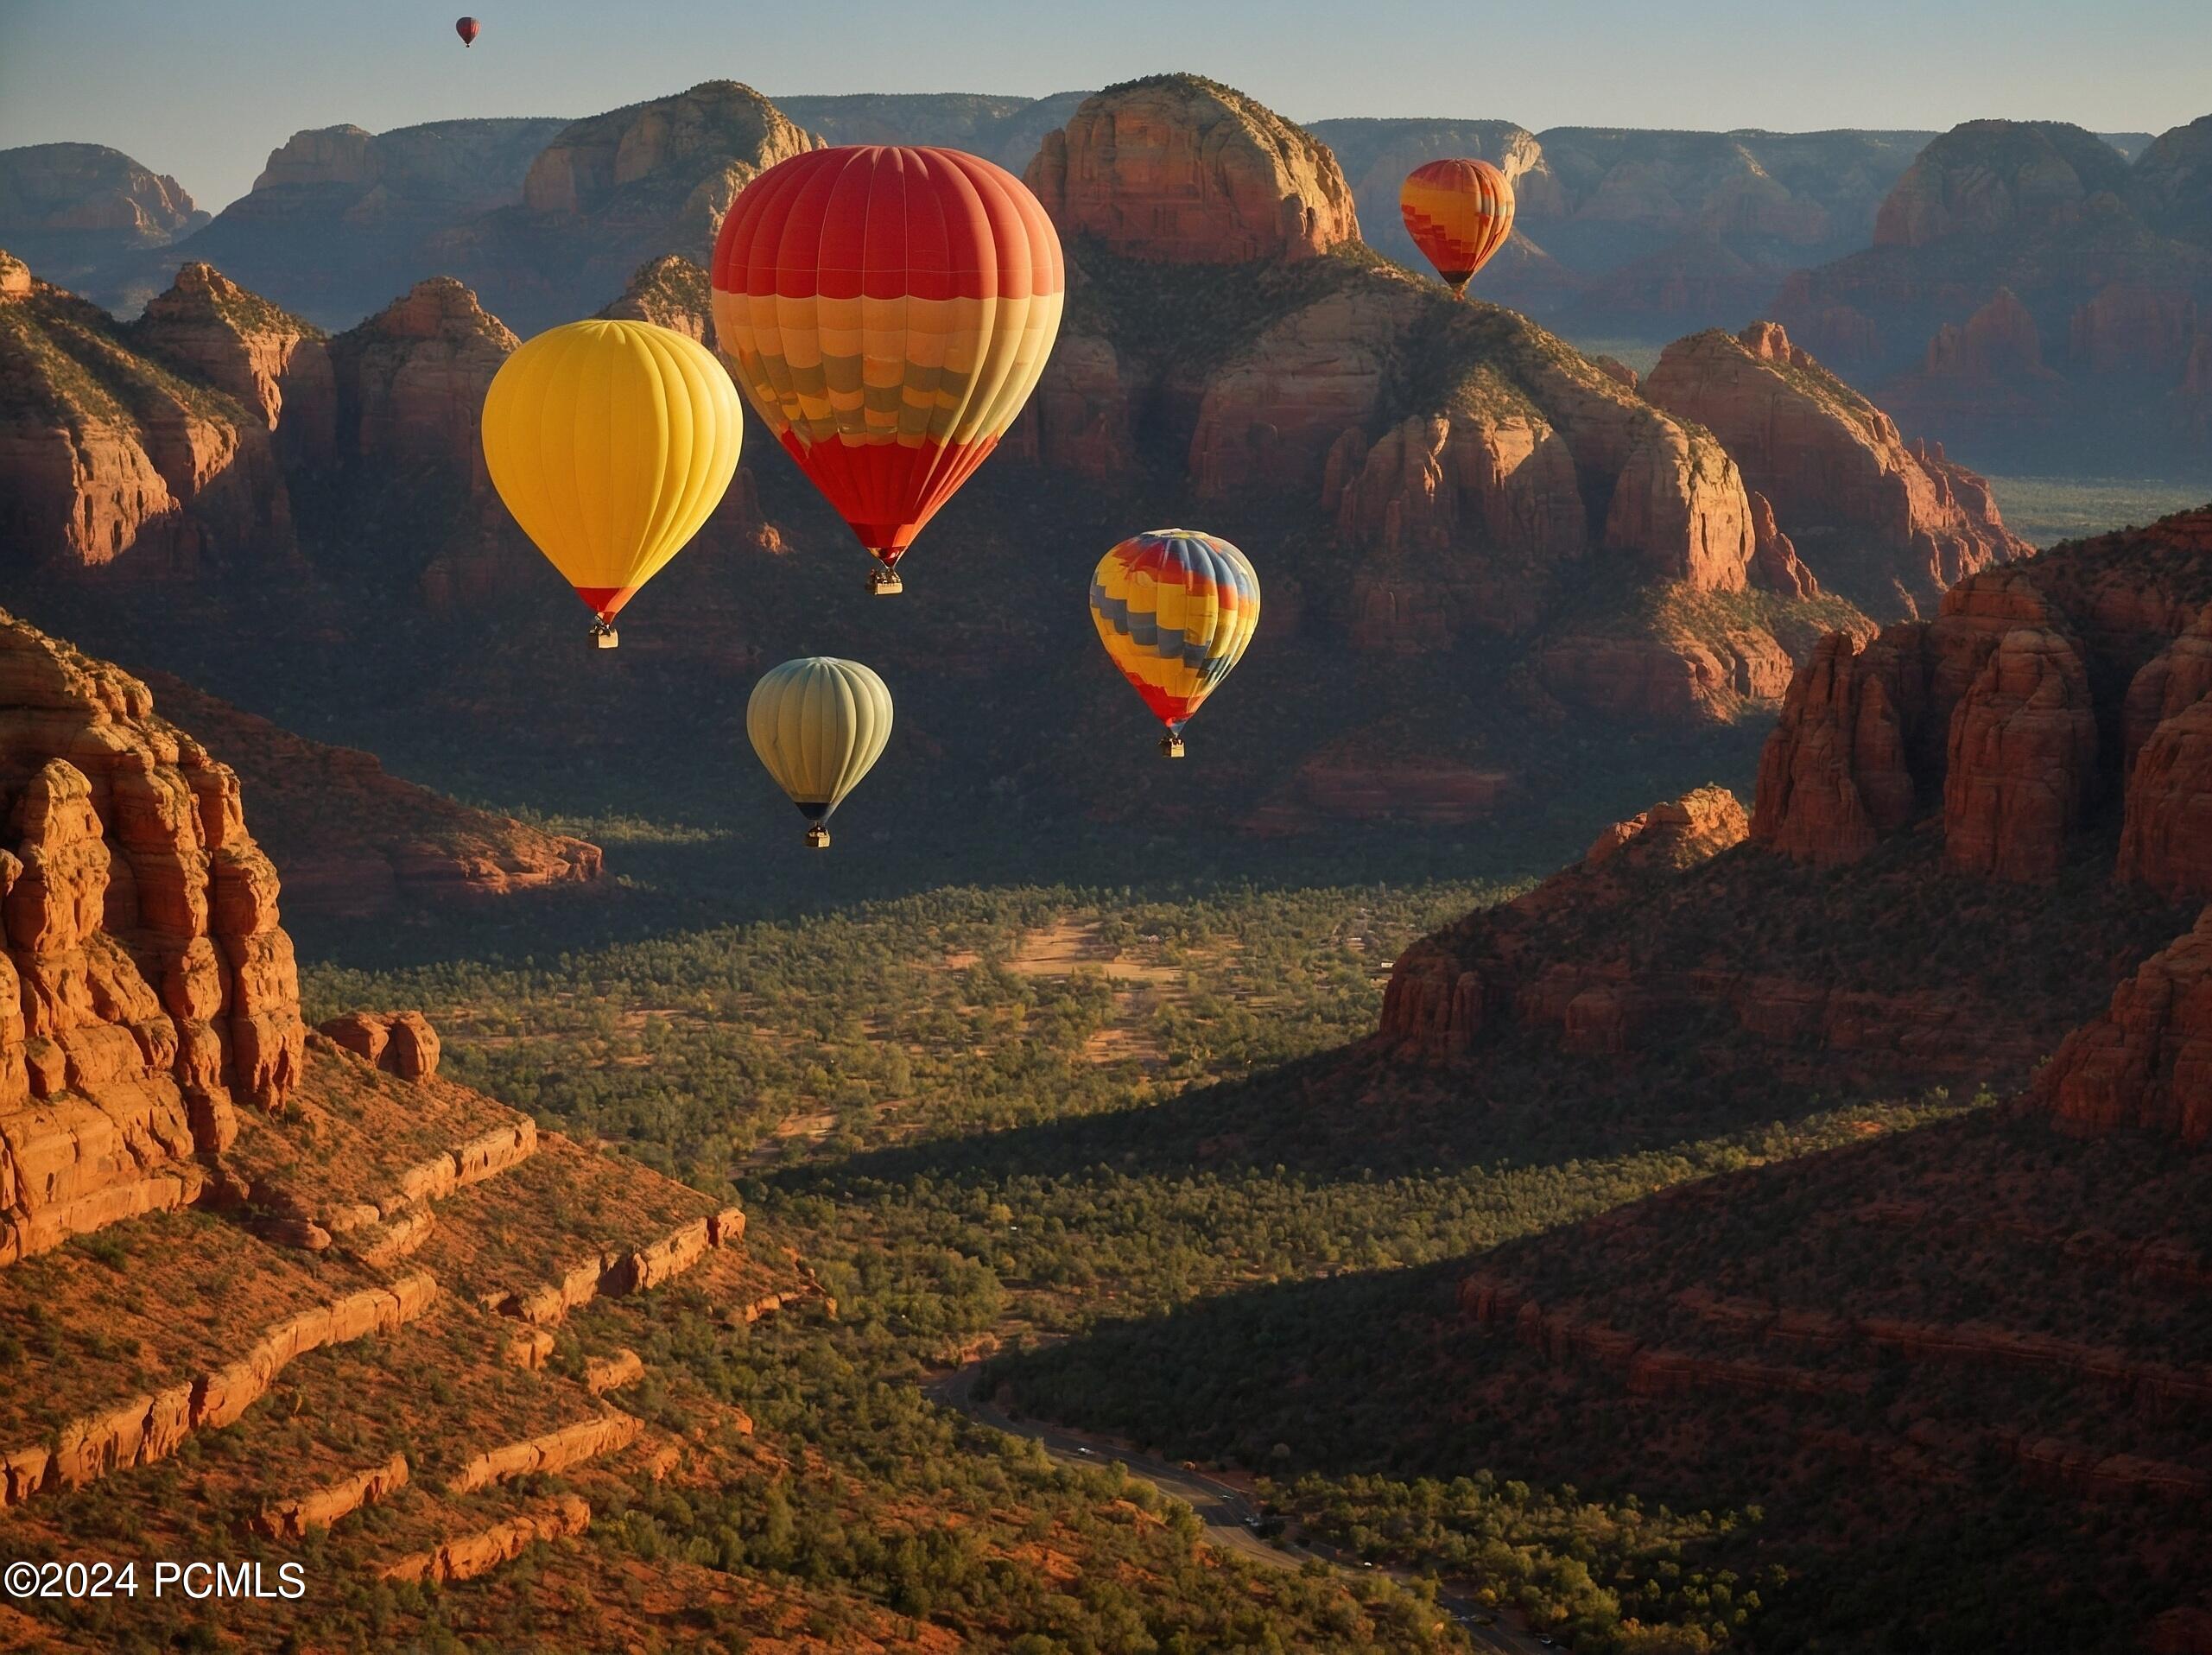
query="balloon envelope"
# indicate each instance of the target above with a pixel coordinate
(468, 28)
(819, 725)
(1459, 212)
(887, 311)
(611, 442)
(1175, 609)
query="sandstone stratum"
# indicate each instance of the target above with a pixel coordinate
(209, 1215)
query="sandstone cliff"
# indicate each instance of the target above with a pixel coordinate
(83, 213)
(2030, 291)
(1973, 763)
(611, 192)
(149, 985)
(1180, 167)
(2028, 704)
(411, 379)
(1890, 524)
(353, 841)
(207, 325)
(108, 455)
(2147, 1061)
(341, 218)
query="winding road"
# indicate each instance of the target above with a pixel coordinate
(1223, 1510)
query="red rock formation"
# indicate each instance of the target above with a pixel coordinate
(105, 452)
(2147, 1061)
(1078, 419)
(1425, 497)
(2166, 839)
(2132, 327)
(2022, 759)
(1178, 167)
(671, 292)
(77, 188)
(1775, 566)
(411, 379)
(1990, 175)
(267, 358)
(2172, 682)
(1269, 416)
(354, 840)
(1998, 341)
(1882, 518)
(142, 942)
(403, 1042)
(1865, 734)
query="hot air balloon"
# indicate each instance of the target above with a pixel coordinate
(468, 28)
(1459, 212)
(887, 311)
(819, 724)
(1175, 609)
(611, 442)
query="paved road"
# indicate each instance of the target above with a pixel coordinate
(1222, 1508)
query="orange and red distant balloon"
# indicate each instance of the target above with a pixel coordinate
(887, 311)
(468, 28)
(1459, 212)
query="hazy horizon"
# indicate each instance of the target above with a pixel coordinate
(140, 76)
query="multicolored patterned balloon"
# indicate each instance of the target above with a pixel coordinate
(888, 312)
(1175, 609)
(1459, 212)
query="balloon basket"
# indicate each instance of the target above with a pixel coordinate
(603, 637)
(1171, 746)
(818, 836)
(885, 583)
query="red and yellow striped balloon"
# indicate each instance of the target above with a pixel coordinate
(1459, 212)
(1175, 609)
(887, 311)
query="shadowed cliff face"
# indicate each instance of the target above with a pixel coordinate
(111, 457)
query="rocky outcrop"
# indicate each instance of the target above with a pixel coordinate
(266, 359)
(412, 378)
(2166, 836)
(145, 1430)
(616, 1273)
(2022, 759)
(147, 982)
(1078, 418)
(1890, 524)
(320, 1507)
(616, 191)
(1180, 168)
(47, 188)
(1440, 1000)
(341, 218)
(546, 1455)
(612, 1372)
(2147, 1061)
(1985, 176)
(1866, 734)
(671, 292)
(107, 455)
(484, 1550)
(401, 1042)
(2133, 327)
(355, 841)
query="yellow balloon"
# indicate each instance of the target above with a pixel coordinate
(819, 725)
(611, 442)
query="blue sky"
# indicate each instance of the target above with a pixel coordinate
(204, 89)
